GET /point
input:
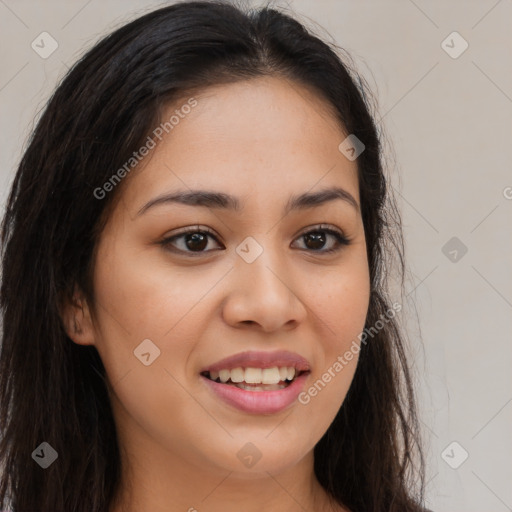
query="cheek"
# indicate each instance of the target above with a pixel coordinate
(141, 298)
(137, 302)
(141, 305)
(341, 299)
(153, 407)
(341, 305)
(140, 301)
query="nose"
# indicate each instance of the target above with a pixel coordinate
(264, 296)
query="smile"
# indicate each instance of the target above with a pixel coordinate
(257, 398)
(255, 379)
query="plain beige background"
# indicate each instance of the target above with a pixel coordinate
(449, 120)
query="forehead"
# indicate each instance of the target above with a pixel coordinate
(267, 109)
(257, 136)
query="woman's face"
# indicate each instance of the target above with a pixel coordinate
(257, 285)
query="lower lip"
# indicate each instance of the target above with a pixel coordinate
(258, 402)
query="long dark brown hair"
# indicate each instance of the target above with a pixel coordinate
(53, 390)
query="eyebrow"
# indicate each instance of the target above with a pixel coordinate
(220, 200)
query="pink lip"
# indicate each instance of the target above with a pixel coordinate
(258, 402)
(255, 359)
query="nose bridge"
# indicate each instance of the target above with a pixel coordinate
(263, 291)
(261, 261)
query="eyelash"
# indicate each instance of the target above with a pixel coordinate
(341, 239)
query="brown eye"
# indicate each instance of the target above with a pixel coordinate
(315, 240)
(196, 241)
(191, 241)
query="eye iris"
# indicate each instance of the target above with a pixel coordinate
(198, 241)
(318, 239)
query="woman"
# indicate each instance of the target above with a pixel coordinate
(195, 312)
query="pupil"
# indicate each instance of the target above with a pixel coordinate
(196, 241)
(318, 238)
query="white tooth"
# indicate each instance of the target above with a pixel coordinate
(237, 375)
(270, 375)
(224, 375)
(266, 376)
(291, 373)
(252, 375)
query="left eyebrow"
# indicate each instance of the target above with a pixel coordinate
(220, 200)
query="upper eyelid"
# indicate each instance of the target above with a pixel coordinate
(307, 229)
(332, 230)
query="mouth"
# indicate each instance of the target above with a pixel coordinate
(256, 379)
(257, 382)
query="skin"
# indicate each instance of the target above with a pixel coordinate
(261, 140)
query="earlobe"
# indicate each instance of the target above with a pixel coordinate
(77, 320)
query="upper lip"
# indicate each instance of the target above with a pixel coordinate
(255, 359)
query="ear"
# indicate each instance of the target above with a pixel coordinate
(77, 320)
